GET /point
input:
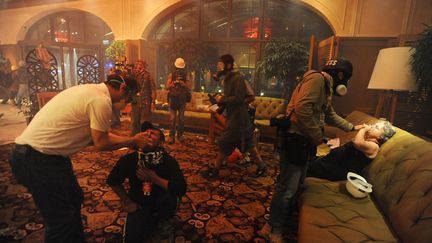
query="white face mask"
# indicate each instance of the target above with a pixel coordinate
(120, 105)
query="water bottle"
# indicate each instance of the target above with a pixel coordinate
(146, 185)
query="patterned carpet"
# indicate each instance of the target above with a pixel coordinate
(232, 209)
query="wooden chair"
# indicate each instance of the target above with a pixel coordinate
(44, 97)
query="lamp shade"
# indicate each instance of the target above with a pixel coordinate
(392, 70)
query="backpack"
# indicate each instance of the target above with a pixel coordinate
(178, 95)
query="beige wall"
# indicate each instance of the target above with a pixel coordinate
(126, 18)
(129, 19)
(362, 52)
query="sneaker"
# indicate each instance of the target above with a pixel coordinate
(211, 173)
(260, 171)
(171, 140)
(246, 159)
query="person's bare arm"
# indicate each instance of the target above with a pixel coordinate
(369, 148)
(109, 141)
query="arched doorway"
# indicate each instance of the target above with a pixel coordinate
(70, 35)
(240, 27)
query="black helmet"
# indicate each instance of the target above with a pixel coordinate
(339, 64)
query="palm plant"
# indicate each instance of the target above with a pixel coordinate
(421, 59)
(284, 60)
(115, 50)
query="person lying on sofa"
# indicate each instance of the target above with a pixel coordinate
(353, 156)
(156, 186)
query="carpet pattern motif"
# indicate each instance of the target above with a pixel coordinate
(230, 209)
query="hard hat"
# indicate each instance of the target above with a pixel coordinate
(357, 186)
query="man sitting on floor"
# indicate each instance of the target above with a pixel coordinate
(156, 185)
(353, 156)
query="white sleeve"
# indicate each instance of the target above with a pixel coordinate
(99, 111)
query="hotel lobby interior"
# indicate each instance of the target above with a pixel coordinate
(61, 44)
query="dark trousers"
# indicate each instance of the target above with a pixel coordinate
(295, 153)
(55, 190)
(140, 224)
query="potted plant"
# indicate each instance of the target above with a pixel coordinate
(115, 50)
(421, 62)
(285, 61)
(421, 59)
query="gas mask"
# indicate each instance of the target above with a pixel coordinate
(228, 62)
(219, 75)
(341, 71)
(340, 83)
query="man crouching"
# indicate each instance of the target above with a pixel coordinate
(156, 185)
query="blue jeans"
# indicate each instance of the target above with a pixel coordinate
(55, 190)
(290, 178)
(174, 113)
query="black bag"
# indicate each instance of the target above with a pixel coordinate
(298, 149)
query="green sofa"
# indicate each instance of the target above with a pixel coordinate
(398, 210)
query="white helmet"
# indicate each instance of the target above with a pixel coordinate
(357, 186)
(179, 63)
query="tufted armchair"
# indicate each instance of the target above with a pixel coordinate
(267, 108)
(399, 208)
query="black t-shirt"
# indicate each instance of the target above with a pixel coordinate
(168, 169)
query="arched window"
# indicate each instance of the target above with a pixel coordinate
(241, 28)
(69, 35)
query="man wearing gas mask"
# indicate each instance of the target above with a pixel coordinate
(310, 106)
(238, 131)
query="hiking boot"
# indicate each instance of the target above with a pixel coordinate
(171, 140)
(211, 173)
(260, 171)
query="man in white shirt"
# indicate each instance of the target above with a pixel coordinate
(73, 119)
